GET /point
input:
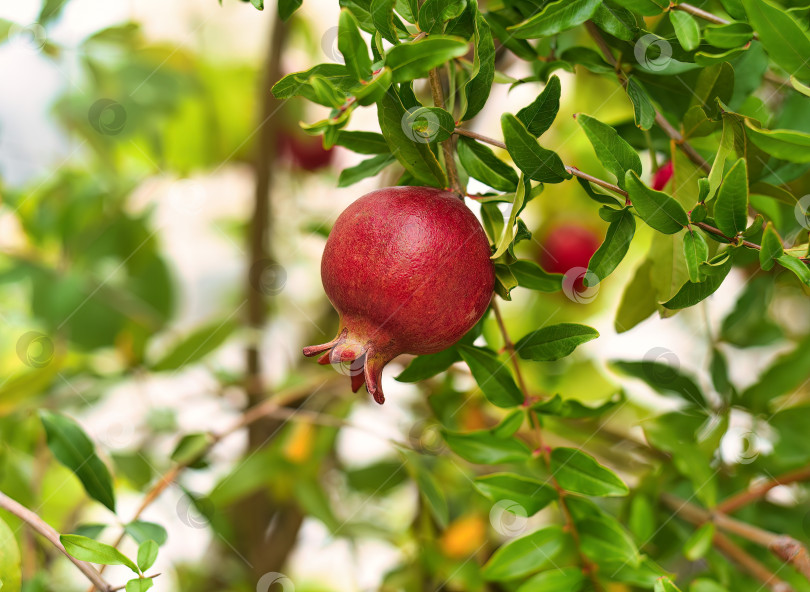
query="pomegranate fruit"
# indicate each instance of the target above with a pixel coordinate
(305, 152)
(568, 246)
(408, 270)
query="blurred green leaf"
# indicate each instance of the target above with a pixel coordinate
(573, 409)
(699, 543)
(579, 472)
(89, 550)
(139, 585)
(785, 39)
(147, 553)
(10, 560)
(378, 478)
(196, 346)
(526, 555)
(428, 487)
(664, 584)
(484, 448)
(787, 372)
(662, 377)
(286, 8)
(565, 579)
(526, 496)
(142, 531)
(190, 448)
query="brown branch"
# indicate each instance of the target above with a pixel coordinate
(755, 492)
(447, 145)
(46, 530)
(700, 13)
(782, 546)
(588, 567)
(749, 563)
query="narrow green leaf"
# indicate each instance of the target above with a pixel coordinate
(89, 550)
(528, 495)
(643, 108)
(696, 251)
(656, 208)
(613, 249)
(481, 163)
(613, 151)
(147, 553)
(686, 29)
(485, 448)
(556, 17)
(723, 152)
(483, 72)
(579, 472)
(535, 161)
(286, 8)
(191, 447)
(802, 88)
(368, 168)
(532, 276)
(772, 247)
(602, 538)
(731, 206)
(196, 346)
(353, 47)
(427, 366)
(663, 378)
(526, 555)
(796, 266)
(434, 13)
(372, 91)
(409, 61)
(697, 545)
(362, 142)
(509, 231)
(784, 37)
(691, 293)
(554, 342)
(573, 409)
(382, 15)
(492, 376)
(788, 145)
(566, 579)
(71, 447)
(728, 36)
(539, 116)
(10, 560)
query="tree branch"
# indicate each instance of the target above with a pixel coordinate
(749, 563)
(755, 492)
(47, 531)
(447, 145)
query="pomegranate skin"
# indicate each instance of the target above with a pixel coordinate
(408, 269)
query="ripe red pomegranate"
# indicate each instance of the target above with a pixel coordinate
(662, 176)
(304, 151)
(408, 270)
(568, 246)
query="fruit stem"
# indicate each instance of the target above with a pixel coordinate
(447, 146)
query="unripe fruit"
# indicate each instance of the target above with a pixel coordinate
(408, 270)
(566, 247)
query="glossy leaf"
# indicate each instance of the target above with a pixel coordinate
(556, 17)
(353, 47)
(71, 447)
(94, 552)
(370, 167)
(479, 86)
(695, 251)
(643, 108)
(509, 231)
(528, 495)
(362, 142)
(434, 13)
(643, 7)
(731, 206)
(797, 266)
(691, 293)
(613, 151)
(785, 39)
(536, 162)
(772, 247)
(429, 365)
(532, 276)
(613, 249)
(196, 346)
(656, 208)
(686, 29)
(484, 448)
(382, 15)
(554, 342)
(409, 61)
(539, 116)
(492, 377)
(526, 555)
(481, 163)
(604, 539)
(579, 472)
(790, 145)
(615, 20)
(286, 8)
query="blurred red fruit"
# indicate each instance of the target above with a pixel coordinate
(568, 246)
(305, 152)
(662, 176)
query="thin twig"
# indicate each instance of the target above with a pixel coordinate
(756, 492)
(47, 531)
(749, 563)
(447, 145)
(700, 13)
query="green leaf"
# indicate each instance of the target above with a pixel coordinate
(696, 251)
(602, 538)
(416, 157)
(686, 29)
(409, 61)
(656, 208)
(481, 163)
(190, 448)
(728, 36)
(10, 560)
(286, 8)
(566, 579)
(434, 13)
(662, 377)
(353, 47)
(484, 448)
(362, 142)
(790, 426)
(429, 365)
(509, 231)
(613, 249)
(554, 342)
(147, 553)
(714, 82)
(528, 496)
(525, 555)
(535, 161)
(731, 206)
(643, 108)
(802, 88)
(492, 377)
(428, 124)
(664, 584)
(556, 17)
(613, 151)
(619, 22)
(788, 145)
(258, 4)
(139, 585)
(691, 293)
(71, 447)
(784, 37)
(51, 9)
(142, 531)
(723, 152)
(642, 7)
(428, 487)
(382, 15)
(638, 300)
(372, 91)
(795, 265)
(297, 84)
(573, 409)
(378, 478)
(539, 116)
(579, 472)
(368, 168)
(196, 346)
(94, 552)
(700, 543)
(532, 276)
(483, 72)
